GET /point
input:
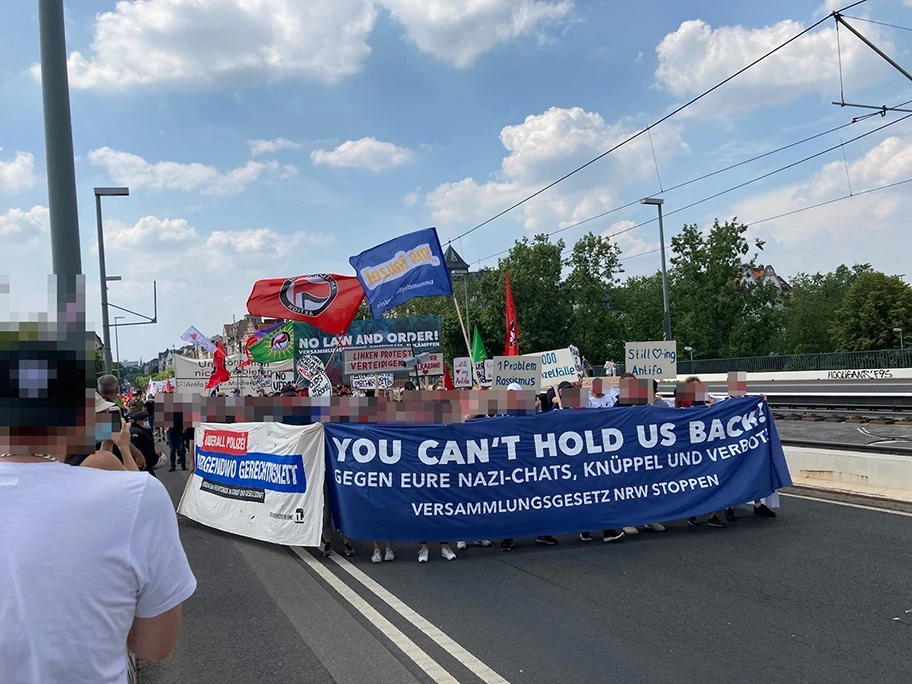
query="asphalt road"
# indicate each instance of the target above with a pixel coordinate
(893, 436)
(820, 594)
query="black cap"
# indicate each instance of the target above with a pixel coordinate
(564, 385)
(139, 415)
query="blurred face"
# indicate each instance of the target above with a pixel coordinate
(597, 387)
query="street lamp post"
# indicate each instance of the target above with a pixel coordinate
(117, 343)
(900, 331)
(106, 332)
(666, 321)
(691, 351)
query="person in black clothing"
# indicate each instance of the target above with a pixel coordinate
(176, 442)
(142, 437)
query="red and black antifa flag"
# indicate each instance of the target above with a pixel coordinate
(326, 301)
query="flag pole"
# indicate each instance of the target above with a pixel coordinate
(465, 336)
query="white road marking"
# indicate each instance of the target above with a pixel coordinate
(846, 503)
(473, 664)
(431, 667)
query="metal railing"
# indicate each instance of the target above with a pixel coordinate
(872, 360)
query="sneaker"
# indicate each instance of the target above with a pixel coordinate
(349, 550)
(715, 521)
(506, 545)
(764, 511)
(423, 556)
(447, 553)
(546, 539)
(376, 556)
(389, 555)
(327, 549)
(585, 536)
(730, 515)
(171, 469)
(485, 543)
(460, 546)
(693, 522)
(631, 530)
(655, 527)
(612, 535)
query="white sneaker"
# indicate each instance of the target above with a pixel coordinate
(447, 553)
(460, 546)
(423, 556)
(485, 543)
(377, 557)
(655, 527)
(389, 556)
(631, 530)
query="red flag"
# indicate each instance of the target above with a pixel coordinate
(447, 380)
(326, 301)
(511, 348)
(220, 374)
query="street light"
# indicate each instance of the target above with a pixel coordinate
(106, 332)
(691, 350)
(899, 330)
(666, 322)
(117, 344)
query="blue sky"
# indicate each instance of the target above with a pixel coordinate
(266, 138)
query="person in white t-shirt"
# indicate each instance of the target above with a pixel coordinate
(92, 564)
(598, 398)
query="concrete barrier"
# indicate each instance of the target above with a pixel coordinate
(853, 472)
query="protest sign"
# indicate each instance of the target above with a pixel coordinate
(484, 372)
(558, 366)
(401, 269)
(360, 361)
(258, 480)
(462, 372)
(320, 386)
(419, 334)
(374, 382)
(554, 473)
(191, 375)
(523, 370)
(433, 366)
(657, 360)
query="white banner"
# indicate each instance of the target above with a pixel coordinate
(433, 366)
(191, 375)
(462, 372)
(258, 480)
(657, 360)
(558, 366)
(362, 361)
(523, 370)
(366, 382)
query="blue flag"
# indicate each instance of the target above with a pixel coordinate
(401, 269)
(555, 473)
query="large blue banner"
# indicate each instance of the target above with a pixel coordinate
(554, 473)
(400, 269)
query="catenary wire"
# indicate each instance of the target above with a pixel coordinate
(675, 111)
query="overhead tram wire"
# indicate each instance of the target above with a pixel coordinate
(751, 224)
(672, 113)
(728, 190)
(702, 177)
(879, 23)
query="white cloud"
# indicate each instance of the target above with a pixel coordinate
(219, 43)
(458, 31)
(17, 173)
(696, 57)
(32, 221)
(135, 172)
(214, 44)
(545, 146)
(412, 198)
(148, 231)
(258, 147)
(366, 153)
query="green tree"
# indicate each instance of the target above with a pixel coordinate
(715, 309)
(594, 267)
(638, 306)
(811, 306)
(874, 305)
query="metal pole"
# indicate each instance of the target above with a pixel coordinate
(58, 137)
(117, 343)
(465, 281)
(105, 329)
(901, 347)
(666, 322)
(873, 47)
